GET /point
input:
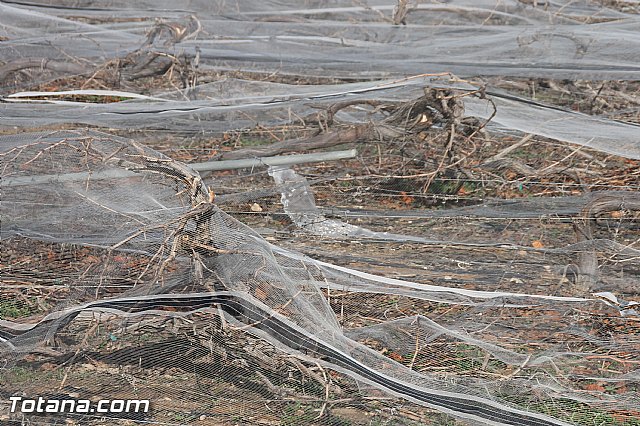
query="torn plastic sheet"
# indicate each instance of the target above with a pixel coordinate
(299, 204)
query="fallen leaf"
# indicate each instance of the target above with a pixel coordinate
(407, 199)
(594, 387)
(395, 356)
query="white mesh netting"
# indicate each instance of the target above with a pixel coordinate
(475, 263)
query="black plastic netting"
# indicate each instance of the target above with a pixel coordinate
(454, 241)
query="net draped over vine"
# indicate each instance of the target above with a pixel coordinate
(396, 287)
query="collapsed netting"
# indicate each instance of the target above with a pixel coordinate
(139, 52)
(124, 199)
(121, 278)
(558, 39)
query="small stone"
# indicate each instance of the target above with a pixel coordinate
(255, 207)
(202, 417)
